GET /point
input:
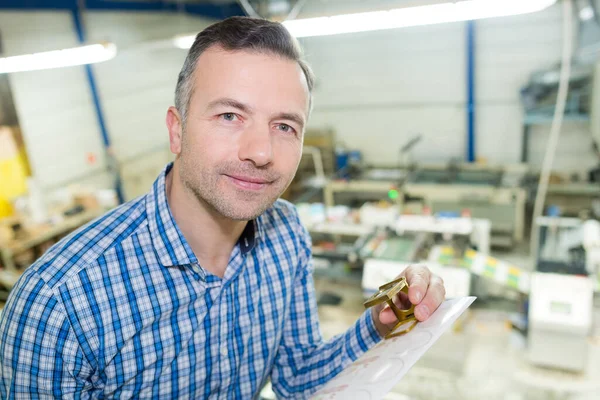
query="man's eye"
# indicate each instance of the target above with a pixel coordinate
(285, 128)
(229, 117)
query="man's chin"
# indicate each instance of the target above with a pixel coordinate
(243, 211)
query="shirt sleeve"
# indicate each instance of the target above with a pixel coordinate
(39, 354)
(305, 362)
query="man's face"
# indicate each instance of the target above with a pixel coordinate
(242, 141)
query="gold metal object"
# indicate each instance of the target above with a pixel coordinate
(386, 294)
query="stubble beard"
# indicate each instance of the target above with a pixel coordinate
(235, 204)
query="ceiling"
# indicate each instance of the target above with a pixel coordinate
(207, 8)
(216, 8)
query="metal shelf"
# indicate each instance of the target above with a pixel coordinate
(545, 119)
(532, 119)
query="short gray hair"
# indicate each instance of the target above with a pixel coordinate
(239, 33)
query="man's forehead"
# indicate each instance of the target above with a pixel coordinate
(217, 60)
(218, 54)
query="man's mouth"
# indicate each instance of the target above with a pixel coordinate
(249, 182)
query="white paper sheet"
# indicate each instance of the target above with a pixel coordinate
(374, 374)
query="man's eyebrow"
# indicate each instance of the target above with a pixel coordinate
(228, 102)
(297, 118)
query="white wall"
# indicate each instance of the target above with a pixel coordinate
(509, 49)
(138, 86)
(376, 89)
(55, 107)
(379, 88)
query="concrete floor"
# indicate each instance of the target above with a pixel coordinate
(481, 358)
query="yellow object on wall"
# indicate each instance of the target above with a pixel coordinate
(14, 168)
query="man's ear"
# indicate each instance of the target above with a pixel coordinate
(175, 127)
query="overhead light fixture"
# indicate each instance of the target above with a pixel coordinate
(464, 10)
(586, 13)
(88, 54)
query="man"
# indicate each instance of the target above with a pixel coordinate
(202, 288)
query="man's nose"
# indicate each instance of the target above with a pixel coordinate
(256, 146)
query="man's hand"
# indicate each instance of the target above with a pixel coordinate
(426, 291)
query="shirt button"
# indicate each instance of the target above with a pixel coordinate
(224, 350)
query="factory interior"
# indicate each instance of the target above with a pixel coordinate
(460, 135)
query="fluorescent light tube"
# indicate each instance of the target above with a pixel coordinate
(464, 10)
(89, 54)
(184, 41)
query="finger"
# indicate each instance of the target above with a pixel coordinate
(387, 316)
(434, 297)
(418, 277)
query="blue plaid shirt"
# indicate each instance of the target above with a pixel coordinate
(121, 308)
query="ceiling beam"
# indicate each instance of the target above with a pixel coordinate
(216, 11)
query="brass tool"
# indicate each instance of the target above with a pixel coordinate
(386, 294)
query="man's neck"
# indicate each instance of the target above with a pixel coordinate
(211, 236)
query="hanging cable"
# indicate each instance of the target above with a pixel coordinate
(561, 100)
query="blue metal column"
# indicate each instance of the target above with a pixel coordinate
(98, 107)
(471, 91)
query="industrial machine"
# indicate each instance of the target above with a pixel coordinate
(492, 193)
(486, 192)
(562, 291)
(560, 319)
